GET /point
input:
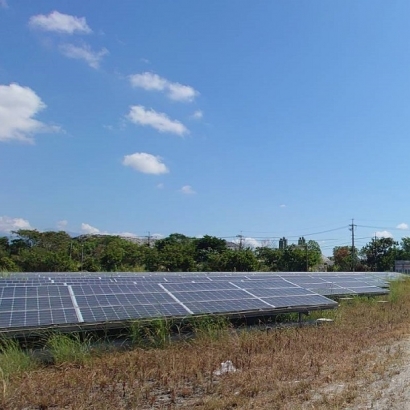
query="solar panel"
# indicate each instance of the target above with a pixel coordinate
(228, 306)
(307, 300)
(197, 286)
(36, 306)
(40, 299)
(210, 295)
(295, 291)
(264, 284)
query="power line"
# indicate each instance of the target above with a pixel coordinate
(382, 227)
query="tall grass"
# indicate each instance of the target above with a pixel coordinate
(69, 348)
(151, 333)
(209, 326)
(13, 359)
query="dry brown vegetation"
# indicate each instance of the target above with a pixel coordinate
(325, 367)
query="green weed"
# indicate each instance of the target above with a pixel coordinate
(69, 348)
(13, 359)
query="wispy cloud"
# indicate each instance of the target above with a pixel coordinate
(187, 190)
(62, 225)
(85, 53)
(403, 226)
(18, 107)
(88, 229)
(153, 82)
(60, 23)
(8, 224)
(160, 121)
(248, 242)
(197, 115)
(384, 234)
(145, 163)
(3, 4)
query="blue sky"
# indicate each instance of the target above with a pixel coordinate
(266, 119)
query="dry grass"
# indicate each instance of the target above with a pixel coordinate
(323, 367)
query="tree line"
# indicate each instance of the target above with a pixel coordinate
(34, 251)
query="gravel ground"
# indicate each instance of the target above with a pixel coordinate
(393, 391)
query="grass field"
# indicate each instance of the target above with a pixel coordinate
(314, 367)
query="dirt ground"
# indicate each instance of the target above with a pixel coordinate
(392, 392)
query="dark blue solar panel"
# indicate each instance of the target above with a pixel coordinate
(36, 318)
(112, 313)
(330, 291)
(264, 284)
(197, 286)
(291, 301)
(279, 292)
(39, 299)
(211, 295)
(227, 306)
(369, 290)
(123, 299)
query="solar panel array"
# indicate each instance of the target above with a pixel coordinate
(33, 300)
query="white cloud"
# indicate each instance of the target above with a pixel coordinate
(3, 4)
(187, 190)
(248, 242)
(84, 52)
(174, 91)
(384, 234)
(60, 23)
(197, 115)
(88, 229)
(8, 224)
(18, 107)
(160, 121)
(148, 81)
(126, 234)
(157, 236)
(402, 226)
(180, 92)
(160, 186)
(282, 206)
(145, 163)
(62, 225)
(252, 242)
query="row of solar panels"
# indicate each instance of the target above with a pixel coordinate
(36, 300)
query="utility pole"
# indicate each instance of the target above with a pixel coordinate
(149, 239)
(82, 256)
(240, 241)
(351, 228)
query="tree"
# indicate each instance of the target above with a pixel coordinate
(404, 252)
(243, 260)
(314, 254)
(112, 256)
(174, 238)
(293, 259)
(342, 256)
(268, 258)
(380, 254)
(206, 250)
